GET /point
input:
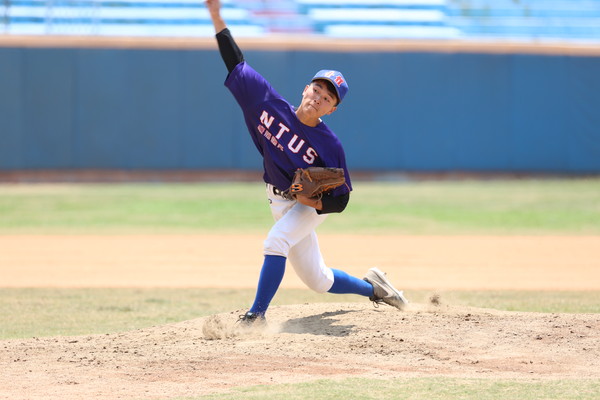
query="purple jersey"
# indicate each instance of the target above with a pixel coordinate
(284, 142)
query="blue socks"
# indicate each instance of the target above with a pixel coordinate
(344, 283)
(271, 275)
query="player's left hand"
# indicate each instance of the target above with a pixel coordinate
(314, 181)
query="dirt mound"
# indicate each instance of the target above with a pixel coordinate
(302, 342)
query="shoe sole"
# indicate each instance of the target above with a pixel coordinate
(400, 293)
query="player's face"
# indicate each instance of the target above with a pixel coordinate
(317, 100)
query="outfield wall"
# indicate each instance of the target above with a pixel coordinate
(411, 107)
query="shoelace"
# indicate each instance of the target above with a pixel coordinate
(250, 319)
(245, 317)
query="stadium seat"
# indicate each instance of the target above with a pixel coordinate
(527, 19)
(577, 20)
(391, 31)
(122, 17)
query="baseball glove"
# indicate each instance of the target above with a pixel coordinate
(314, 181)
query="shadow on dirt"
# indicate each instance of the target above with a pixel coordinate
(322, 324)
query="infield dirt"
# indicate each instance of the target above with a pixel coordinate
(307, 341)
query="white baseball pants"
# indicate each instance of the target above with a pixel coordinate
(293, 236)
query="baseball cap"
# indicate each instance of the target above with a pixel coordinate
(336, 78)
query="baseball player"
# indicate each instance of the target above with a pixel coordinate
(289, 138)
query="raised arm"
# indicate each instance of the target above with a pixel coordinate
(230, 52)
(214, 8)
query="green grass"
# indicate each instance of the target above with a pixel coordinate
(449, 207)
(418, 389)
(29, 312)
(65, 312)
(560, 206)
(132, 208)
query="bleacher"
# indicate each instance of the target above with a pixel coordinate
(524, 20)
(527, 20)
(120, 18)
(379, 18)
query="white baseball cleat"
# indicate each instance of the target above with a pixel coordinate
(383, 291)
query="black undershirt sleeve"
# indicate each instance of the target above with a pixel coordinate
(334, 204)
(230, 52)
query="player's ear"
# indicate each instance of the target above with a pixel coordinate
(332, 110)
(305, 89)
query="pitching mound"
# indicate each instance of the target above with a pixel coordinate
(300, 343)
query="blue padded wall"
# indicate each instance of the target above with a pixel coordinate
(79, 108)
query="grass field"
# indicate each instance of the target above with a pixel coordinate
(524, 207)
(439, 207)
(66, 312)
(419, 389)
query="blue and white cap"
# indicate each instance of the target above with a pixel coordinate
(337, 79)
